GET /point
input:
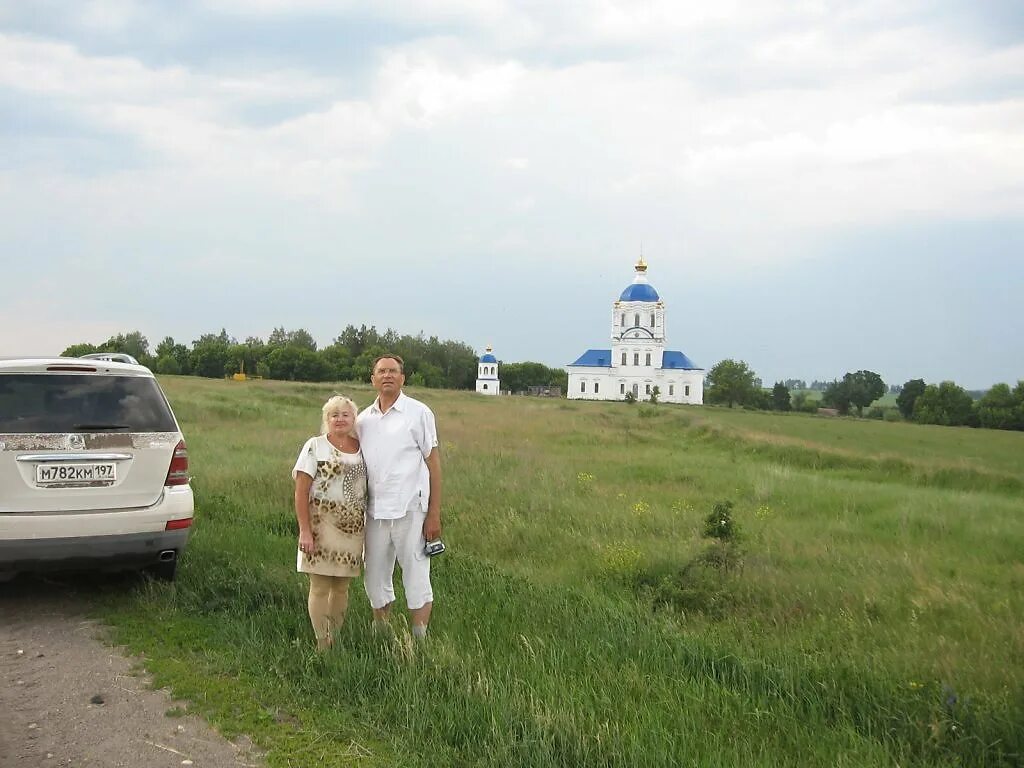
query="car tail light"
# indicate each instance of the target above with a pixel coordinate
(177, 525)
(177, 473)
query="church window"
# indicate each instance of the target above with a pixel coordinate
(583, 386)
(671, 389)
(595, 387)
(652, 319)
(623, 358)
(648, 359)
(636, 319)
(636, 358)
(686, 391)
(485, 386)
(623, 321)
(622, 389)
(636, 389)
(648, 389)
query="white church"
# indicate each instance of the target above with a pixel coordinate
(487, 382)
(637, 361)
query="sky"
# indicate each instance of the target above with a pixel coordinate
(817, 186)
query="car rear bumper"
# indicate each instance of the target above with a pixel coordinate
(107, 539)
(125, 551)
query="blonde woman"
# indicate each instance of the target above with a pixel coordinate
(330, 506)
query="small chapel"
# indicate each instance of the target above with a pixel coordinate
(637, 361)
(487, 382)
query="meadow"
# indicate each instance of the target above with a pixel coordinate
(869, 609)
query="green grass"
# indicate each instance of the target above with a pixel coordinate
(873, 616)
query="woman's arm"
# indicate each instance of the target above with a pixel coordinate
(303, 483)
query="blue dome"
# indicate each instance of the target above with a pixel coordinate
(488, 358)
(639, 292)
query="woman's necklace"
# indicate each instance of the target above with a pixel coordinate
(340, 443)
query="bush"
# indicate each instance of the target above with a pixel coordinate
(708, 582)
(720, 524)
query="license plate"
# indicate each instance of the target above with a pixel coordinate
(65, 474)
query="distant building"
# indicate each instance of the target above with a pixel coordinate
(487, 382)
(637, 360)
(544, 391)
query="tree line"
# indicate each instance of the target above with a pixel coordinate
(295, 356)
(732, 382)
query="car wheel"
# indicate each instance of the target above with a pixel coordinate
(164, 571)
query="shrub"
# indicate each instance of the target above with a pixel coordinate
(720, 523)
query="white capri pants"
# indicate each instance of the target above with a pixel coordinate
(402, 540)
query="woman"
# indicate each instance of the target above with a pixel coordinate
(330, 506)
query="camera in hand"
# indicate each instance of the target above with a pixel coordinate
(433, 548)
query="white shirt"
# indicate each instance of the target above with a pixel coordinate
(395, 446)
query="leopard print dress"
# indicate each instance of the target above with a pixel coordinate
(337, 511)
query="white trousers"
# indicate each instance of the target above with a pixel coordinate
(398, 540)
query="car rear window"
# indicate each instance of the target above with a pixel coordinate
(50, 402)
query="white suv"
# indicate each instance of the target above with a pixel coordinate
(93, 468)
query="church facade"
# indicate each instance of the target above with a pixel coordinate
(637, 360)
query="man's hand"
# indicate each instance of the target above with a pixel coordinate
(432, 526)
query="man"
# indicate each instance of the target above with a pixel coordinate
(399, 443)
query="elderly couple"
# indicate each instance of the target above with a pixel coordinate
(390, 449)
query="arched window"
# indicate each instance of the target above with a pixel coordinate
(671, 389)
(652, 319)
(623, 358)
(485, 386)
(622, 389)
(623, 321)
(636, 320)
(636, 358)
(595, 387)
(686, 391)
(648, 359)
(648, 389)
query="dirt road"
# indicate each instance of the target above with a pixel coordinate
(66, 699)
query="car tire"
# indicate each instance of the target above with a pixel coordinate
(163, 571)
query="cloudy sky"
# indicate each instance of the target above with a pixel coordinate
(817, 186)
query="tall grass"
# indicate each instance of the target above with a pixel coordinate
(870, 616)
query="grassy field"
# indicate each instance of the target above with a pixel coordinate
(871, 612)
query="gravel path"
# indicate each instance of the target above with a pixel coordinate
(66, 699)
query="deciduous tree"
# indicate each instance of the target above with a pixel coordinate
(908, 396)
(999, 409)
(946, 404)
(730, 382)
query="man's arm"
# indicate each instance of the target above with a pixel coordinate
(432, 525)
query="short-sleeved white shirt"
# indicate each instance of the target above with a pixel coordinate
(395, 446)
